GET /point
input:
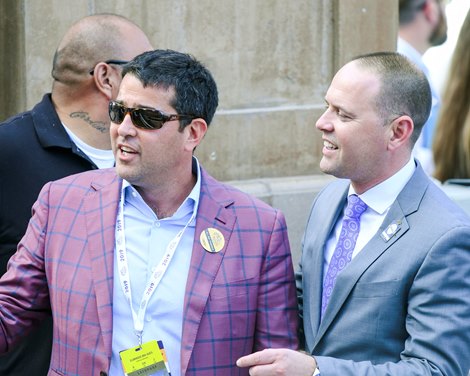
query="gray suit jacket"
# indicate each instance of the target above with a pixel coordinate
(402, 306)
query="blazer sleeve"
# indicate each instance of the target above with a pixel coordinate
(437, 319)
(24, 293)
(277, 312)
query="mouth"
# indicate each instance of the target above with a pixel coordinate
(329, 146)
(125, 154)
(125, 150)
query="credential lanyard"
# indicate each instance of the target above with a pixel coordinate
(157, 273)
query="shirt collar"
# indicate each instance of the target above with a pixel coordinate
(381, 197)
(189, 205)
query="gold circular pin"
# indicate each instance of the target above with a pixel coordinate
(212, 240)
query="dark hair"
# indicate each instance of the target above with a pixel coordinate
(408, 9)
(404, 89)
(195, 88)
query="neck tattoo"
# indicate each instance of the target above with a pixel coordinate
(98, 125)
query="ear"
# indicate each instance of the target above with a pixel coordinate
(400, 132)
(107, 80)
(431, 11)
(195, 132)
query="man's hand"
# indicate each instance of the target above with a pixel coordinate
(278, 362)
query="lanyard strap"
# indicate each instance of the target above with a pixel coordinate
(157, 272)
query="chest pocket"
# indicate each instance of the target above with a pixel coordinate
(234, 288)
(377, 289)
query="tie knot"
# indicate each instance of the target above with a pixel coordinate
(355, 207)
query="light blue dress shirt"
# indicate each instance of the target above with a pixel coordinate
(147, 238)
(379, 199)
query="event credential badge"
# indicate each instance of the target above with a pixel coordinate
(145, 360)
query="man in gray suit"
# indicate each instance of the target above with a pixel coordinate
(393, 298)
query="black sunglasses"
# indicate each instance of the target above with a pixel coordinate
(145, 118)
(115, 62)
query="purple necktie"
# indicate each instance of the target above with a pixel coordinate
(345, 246)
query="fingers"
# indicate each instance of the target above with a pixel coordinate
(258, 358)
(252, 359)
(260, 363)
(278, 362)
(266, 370)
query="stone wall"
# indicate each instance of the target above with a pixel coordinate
(272, 59)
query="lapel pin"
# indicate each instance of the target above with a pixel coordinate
(212, 240)
(391, 230)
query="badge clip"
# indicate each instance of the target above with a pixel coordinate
(391, 230)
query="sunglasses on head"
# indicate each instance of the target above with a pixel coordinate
(145, 118)
(112, 61)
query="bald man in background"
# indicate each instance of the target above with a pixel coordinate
(66, 133)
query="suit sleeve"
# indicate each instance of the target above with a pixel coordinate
(277, 317)
(437, 317)
(24, 294)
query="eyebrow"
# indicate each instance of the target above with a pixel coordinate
(341, 108)
(144, 107)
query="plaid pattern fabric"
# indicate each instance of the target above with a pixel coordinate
(239, 300)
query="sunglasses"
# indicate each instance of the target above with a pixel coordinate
(144, 118)
(115, 62)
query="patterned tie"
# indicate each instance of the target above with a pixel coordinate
(345, 246)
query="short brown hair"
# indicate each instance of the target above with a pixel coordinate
(404, 88)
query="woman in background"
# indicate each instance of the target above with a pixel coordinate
(451, 146)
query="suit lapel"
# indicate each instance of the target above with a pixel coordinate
(348, 278)
(393, 228)
(101, 208)
(330, 207)
(212, 213)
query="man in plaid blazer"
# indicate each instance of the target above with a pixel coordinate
(238, 293)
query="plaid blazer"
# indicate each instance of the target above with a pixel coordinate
(239, 300)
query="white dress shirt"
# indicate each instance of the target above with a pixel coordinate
(378, 199)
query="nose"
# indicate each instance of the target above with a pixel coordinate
(324, 122)
(126, 128)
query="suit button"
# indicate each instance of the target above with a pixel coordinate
(102, 373)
